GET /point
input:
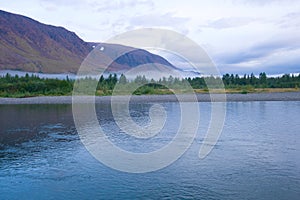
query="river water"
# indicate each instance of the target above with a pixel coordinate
(256, 157)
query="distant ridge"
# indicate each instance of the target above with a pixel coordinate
(28, 45)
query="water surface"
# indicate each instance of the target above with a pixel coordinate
(256, 157)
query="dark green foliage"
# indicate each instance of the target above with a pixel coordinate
(108, 83)
(122, 79)
(234, 81)
(15, 86)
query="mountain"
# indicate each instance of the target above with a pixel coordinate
(31, 46)
(132, 57)
(28, 45)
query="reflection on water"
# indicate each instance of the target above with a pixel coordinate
(257, 156)
(20, 123)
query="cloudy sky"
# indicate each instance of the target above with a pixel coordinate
(241, 36)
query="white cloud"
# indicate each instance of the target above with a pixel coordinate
(109, 5)
(290, 20)
(263, 2)
(165, 20)
(232, 22)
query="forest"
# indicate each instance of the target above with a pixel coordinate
(31, 85)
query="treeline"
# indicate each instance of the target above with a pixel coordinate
(262, 81)
(229, 81)
(26, 86)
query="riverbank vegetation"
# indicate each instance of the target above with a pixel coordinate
(28, 86)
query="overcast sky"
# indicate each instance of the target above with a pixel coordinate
(241, 36)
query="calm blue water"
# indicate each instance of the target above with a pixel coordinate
(257, 156)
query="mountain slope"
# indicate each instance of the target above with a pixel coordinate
(132, 57)
(28, 45)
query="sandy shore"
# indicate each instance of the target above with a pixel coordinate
(284, 96)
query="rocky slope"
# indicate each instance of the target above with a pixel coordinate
(28, 45)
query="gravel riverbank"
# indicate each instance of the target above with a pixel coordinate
(275, 96)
